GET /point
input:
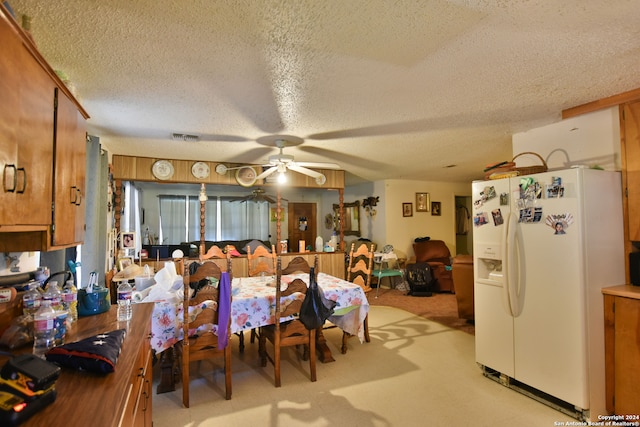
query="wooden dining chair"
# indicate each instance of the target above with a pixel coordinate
(300, 265)
(359, 272)
(207, 345)
(261, 261)
(214, 252)
(287, 334)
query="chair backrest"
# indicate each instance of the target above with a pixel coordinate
(262, 261)
(213, 252)
(360, 265)
(291, 307)
(300, 265)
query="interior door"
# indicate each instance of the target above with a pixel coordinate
(302, 225)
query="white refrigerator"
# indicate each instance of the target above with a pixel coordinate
(544, 246)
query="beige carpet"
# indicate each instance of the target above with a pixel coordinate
(414, 372)
(441, 308)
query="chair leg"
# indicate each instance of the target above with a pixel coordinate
(227, 372)
(262, 350)
(345, 337)
(241, 338)
(185, 375)
(253, 336)
(312, 355)
(276, 364)
(366, 329)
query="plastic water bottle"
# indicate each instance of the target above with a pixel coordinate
(125, 292)
(53, 293)
(70, 300)
(43, 329)
(31, 299)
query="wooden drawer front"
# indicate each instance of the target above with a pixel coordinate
(138, 407)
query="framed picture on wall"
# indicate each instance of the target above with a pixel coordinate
(435, 208)
(127, 240)
(407, 209)
(274, 215)
(422, 202)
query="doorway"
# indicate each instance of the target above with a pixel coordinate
(302, 225)
(464, 230)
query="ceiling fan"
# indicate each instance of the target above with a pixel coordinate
(282, 162)
(257, 195)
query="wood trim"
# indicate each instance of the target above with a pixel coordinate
(139, 169)
(621, 98)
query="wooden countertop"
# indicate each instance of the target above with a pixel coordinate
(89, 399)
(626, 291)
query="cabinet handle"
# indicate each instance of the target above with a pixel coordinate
(73, 195)
(78, 197)
(6, 181)
(145, 393)
(24, 180)
(141, 373)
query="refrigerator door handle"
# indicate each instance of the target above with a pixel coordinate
(515, 266)
(506, 266)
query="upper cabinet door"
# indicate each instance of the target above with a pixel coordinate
(26, 135)
(631, 153)
(69, 177)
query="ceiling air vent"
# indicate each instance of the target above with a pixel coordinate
(184, 137)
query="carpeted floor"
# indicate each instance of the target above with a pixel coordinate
(441, 308)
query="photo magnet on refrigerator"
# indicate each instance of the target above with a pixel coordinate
(559, 222)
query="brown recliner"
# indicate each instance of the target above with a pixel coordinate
(437, 255)
(463, 282)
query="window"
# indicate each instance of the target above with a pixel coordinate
(224, 219)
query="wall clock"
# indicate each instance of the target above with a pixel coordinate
(200, 170)
(162, 169)
(246, 176)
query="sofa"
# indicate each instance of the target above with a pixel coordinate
(462, 271)
(437, 255)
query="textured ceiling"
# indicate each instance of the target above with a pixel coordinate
(387, 89)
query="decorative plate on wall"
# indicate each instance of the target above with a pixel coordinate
(200, 170)
(162, 169)
(246, 176)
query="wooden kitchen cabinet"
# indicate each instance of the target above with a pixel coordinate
(26, 129)
(42, 150)
(69, 173)
(622, 349)
(630, 134)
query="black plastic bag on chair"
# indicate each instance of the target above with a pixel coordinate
(315, 307)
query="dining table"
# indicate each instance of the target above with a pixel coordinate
(253, 306)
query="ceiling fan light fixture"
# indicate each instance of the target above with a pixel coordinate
(282, 178)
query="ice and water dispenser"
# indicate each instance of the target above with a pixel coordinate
(489, 264)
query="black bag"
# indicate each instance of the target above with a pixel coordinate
(421, 280)
(315, 307)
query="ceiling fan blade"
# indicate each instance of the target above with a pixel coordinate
(241, 199)
(267, 172)
(351, 159)
(319, 165)
(297, 168)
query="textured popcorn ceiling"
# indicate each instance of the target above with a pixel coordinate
(387, 89)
